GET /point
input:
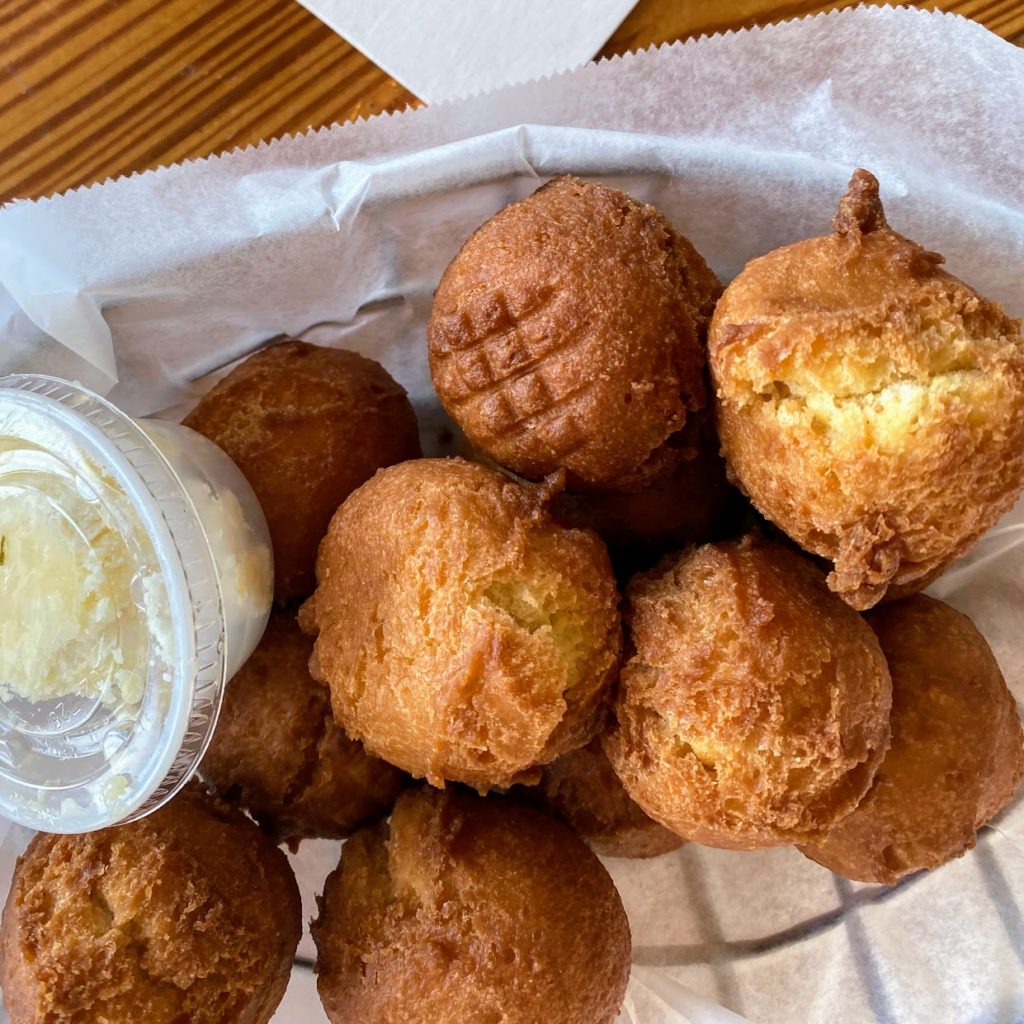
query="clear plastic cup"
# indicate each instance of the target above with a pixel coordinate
(135, 579)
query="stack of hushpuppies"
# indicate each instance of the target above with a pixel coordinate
(454, 679)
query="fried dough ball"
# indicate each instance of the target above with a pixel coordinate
(583, 790)
(694, 504)
(465, 910)
(189, 914)
(870, 404)
(567, 334)
(464, 634)
(278, 752)
(755, 710)
(306, 425)
(957, 749)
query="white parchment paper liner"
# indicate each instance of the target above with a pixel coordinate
(148, 287)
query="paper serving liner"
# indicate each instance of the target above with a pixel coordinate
(147, 288)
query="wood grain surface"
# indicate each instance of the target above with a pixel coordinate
(91, 89)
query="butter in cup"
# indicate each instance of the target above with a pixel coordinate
(135, 579)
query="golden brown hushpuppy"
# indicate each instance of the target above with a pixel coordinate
(694, 504)
(870, 404)
(306, 425)
(957, 749)
(568, 333)
(583, 790)
(189, 914)
(278, 752)
(755, 709)
(464, 634)
(467, 909)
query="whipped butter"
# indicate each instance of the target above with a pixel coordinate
(69, 622)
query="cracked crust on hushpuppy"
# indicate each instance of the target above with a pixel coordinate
(190, 913)
(470, 909)
(754, 710)
(582, 789)
(306, 425)
(568, 333)
(693, 504)
(280, 755)
(464, 634)
(957, 752)
(869, 403)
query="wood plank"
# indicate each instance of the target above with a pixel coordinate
(658, 21)
(95, 88)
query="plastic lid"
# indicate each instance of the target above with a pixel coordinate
(106, 725)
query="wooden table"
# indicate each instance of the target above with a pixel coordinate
(96, 88)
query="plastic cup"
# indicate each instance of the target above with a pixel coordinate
(174, 538)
